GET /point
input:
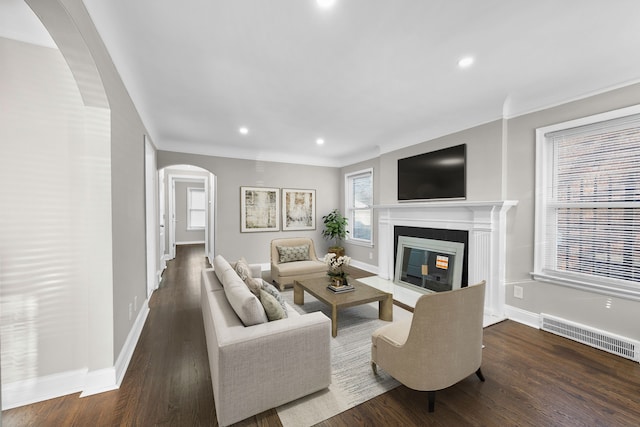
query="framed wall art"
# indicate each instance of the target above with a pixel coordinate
(259, 209)
(298, 209)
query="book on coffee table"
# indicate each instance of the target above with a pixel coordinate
(340, 289)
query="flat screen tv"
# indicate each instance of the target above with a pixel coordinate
(437, 174)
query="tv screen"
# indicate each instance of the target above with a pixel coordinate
(438, 174)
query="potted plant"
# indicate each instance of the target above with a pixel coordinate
(337, 264)
(335, 228)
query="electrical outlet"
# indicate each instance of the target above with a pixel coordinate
(518, 292)
(370, 255)
(130, 311)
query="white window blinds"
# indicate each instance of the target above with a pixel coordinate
(591, 203)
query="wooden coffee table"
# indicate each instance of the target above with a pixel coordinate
(363, 294)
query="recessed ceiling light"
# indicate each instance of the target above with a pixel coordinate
(243, 130)
(465, 62)
(319, 141)
(325, 4)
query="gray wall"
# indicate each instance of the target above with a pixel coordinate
(127, 183)
(43, 246)
(501, 165)
(233, 173)
(183, 234)
(484, 162)
(612, 314)
(85, 321)
(485, 173)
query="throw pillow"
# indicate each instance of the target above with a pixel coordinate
(254, 284)
(293, 253)
(274, 292)
(271, 306)
(242, 268)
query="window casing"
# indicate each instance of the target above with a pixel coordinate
(196, 210)
(588, 203)
(358, 203)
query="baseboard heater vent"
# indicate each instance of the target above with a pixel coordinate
(602, 340)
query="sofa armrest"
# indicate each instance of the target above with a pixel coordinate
(267, 365)
(256, 270)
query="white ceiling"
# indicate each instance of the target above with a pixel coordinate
(367, 76)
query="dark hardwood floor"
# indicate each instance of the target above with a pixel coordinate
(533, 378)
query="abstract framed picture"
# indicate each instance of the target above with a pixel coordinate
(298, 209)
(259, 209)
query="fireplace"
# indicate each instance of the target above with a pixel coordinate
(437, 234)
(483, 223)
(427, 264)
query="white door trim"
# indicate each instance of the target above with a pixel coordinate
(173, 178)
(151, 209)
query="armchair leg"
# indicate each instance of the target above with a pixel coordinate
(479, 374)
(374, 367)
(431, 396)
(278, 285)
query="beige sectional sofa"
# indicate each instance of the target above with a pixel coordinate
(259, 367)
(284, 273)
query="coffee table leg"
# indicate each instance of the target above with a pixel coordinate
(385, 309)
(298, 293)
(334, 321)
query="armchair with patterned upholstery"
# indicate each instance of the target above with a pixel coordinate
(294, 259)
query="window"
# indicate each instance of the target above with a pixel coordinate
(195, 208)
(359, 198)
(588, 203)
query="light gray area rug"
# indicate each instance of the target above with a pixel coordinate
(353, 381)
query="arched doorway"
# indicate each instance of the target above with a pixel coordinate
(59, 136)
(172, 223)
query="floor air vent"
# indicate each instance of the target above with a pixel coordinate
(615, 344)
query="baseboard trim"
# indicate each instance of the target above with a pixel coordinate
(34, 390)
(99, 381)
(159, 274)
(363, 266)
(522, 316)
(109, 379)
(122, 363)
(82, 381)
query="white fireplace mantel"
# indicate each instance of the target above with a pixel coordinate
(485, 222)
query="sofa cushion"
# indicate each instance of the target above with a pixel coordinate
(220, 266)
(271, 306)
(271, 290)
(301, 267)
(245, 304)
(293, 253)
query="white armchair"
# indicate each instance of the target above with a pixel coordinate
(439, 346)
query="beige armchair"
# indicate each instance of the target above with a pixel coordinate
(439, 346)
(284, 273)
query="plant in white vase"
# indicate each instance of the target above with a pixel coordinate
(337, 265)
